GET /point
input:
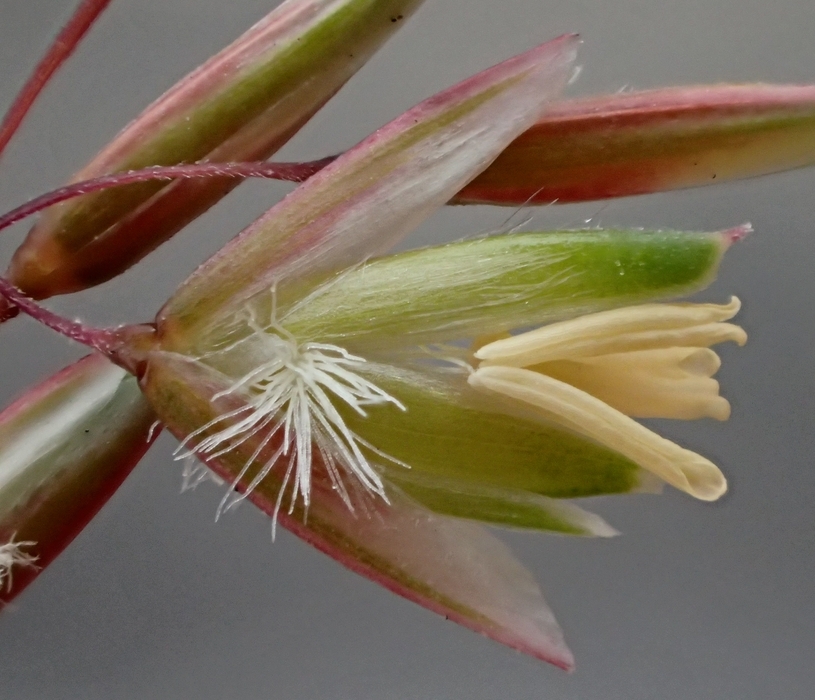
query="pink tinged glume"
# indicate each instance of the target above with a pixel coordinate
(452, 567)
(639, 142)
(450, 561)
(371, 197)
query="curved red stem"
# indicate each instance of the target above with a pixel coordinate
(107, 341)
(58, 52)
(104, 340)
(292, 172)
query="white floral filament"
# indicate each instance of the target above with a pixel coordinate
(11, 555)
(196, 473)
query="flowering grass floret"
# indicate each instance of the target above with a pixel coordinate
(289, 397)
(333, 402)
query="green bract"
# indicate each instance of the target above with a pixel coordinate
(495, 284)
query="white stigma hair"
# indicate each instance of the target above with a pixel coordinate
(290, 397)
(12, 554)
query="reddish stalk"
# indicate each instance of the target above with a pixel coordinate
(104, 340)
(58, 52)
(291, 172)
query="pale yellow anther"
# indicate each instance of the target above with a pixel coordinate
(621, 330)
(558, 402)
(592, 374)
(665, 383)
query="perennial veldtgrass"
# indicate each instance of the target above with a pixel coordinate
(382, 406)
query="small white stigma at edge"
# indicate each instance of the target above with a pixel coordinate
(11, 555)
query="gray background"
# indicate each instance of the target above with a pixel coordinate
(695, 601)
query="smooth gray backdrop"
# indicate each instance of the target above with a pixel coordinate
(695, 601)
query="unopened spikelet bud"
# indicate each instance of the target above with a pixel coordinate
(633, 143)
(65, 447)
(242, 105)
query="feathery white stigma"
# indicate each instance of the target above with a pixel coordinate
(12, 554)
(196, 473)
(290, 398)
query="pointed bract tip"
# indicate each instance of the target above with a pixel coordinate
(571, 41)
(562, 50)
(737, 233)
